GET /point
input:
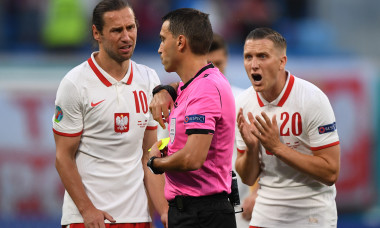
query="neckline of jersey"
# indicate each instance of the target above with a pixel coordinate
(210, 65)
(288, 89)
(102, 78)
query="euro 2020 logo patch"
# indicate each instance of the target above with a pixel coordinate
(58, 114)
(121, 122)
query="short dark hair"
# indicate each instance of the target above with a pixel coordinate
(194, 25)
(267, 33)
(106, 6)
(218, 43)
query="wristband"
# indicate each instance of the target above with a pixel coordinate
(150, 166)
(168, 88)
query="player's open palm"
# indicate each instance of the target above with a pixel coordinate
(268, 132)
(94, 218)
(246, 129)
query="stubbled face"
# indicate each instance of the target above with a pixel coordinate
(118, 38)
(264, 64)
(218, 58)
(168, 48)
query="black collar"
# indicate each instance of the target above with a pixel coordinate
(199, 72)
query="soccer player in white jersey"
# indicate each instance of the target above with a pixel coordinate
(287, 137)
(103, 130)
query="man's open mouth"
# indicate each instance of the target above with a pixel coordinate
(256, 77)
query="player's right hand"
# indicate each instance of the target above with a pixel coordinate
(161, 106)
(248, 205)
(94, 218)
(247, 130)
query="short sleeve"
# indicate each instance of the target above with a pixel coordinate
(322, 130)
(203, 108)
(68, 117)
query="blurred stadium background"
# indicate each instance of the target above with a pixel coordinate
(335, 44)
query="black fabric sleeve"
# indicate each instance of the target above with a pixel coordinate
(199, 131)
(170, 89)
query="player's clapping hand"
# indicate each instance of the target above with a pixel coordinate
(246, 130)
(267, 132)
(94, 218)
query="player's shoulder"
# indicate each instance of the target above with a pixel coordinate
(308, 90)
(307, 86)
(246, 96)
(145, 73)
(143, 69)
(78, 73)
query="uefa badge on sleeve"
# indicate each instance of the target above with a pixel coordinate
(327, 128)
(121, 122)
(58, 114)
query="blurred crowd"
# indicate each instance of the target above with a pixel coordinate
(51, 25)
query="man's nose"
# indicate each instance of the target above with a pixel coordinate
(125, 36)
(255, 64)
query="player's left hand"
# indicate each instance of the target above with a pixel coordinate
(267, 132)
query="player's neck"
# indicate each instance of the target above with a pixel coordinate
(276, 90)
(113, 68)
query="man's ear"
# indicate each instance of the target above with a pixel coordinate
(95, 33)
(181, 42)
(283, 61)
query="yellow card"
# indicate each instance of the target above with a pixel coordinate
(164, 143)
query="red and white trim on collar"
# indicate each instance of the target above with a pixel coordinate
(102, 78)
(284, 97)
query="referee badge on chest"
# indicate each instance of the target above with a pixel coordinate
(172, 130)
(121, 122)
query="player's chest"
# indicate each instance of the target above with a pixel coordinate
(119, 106)
(291, 123)
(290, 120)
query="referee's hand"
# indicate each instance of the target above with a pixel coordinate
(161, 106)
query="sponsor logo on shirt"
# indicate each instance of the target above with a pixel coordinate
(58, 114)
(121, 122)
(327, 128)
(194, 119)
(95, 104)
